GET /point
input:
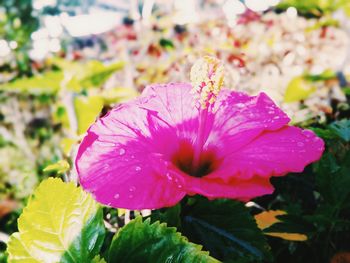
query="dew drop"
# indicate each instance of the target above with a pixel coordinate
(300, 144)
(169, 177)
(116, 196)
(121, 151)
(179, 186)
(132, 156)
(137, 168)
(132, 188)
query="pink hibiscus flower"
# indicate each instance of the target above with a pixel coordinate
(154, 150)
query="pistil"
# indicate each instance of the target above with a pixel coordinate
(207, 77)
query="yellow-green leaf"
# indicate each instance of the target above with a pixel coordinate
(117, 95)
(46, 83)
(298, 89)
(87, 110)
(61, 223)
(60, 167)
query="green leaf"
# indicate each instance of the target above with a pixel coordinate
(145, 242)
(226, 229)
(342, 129)
(333, 180)
(48, 82)
(166, 43)
(61, 223)
(86, 75)
(59, 167)
(325, 75)
(298, 89)
(98, 73)
(117, 95)
(170, 216)
(87, 110)
(98, 259)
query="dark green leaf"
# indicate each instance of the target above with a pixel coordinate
(226, 229)
(152, 243)
(342, 129)
(170, 216)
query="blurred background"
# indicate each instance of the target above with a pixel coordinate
(64, 63)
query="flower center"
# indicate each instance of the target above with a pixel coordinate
(207, 77)
(184, 157)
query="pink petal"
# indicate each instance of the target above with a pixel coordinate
(240, 118)
(243, 190)
(124, 158)
(273, 153)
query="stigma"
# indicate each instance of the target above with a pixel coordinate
(207, 78)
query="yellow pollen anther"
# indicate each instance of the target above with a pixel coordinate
(207, 78)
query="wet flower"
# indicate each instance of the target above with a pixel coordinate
(180, 139)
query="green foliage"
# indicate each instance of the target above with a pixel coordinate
(341, 129)
(226, 229)
(61, 223)
(316, 7)
(87, 110)
(145, 242)
(46, 83)
(166, 43)
(18, 25)
(298, 89)
(92, 73)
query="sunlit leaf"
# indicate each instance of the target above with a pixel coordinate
(298, 89)
(60, 115)
(48, 82)
(66, 145)
(60, 167)
(98, 73)
(145, 242)
(87, 110)
(116, 95)
(92, 73)
(61, 223)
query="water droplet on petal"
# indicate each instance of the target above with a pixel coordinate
(179, 186)
(169, 177)
(132, 156)
(137, 168)
(132, 188)
(121, 151)
(116, 196)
